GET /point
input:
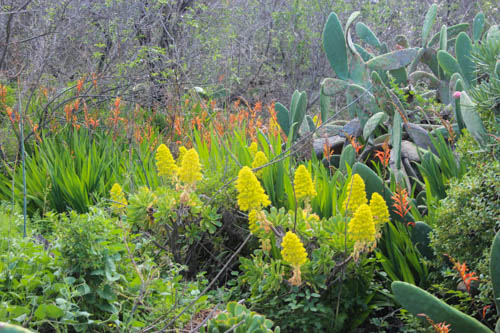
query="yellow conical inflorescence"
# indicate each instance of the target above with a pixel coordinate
(190, 173)
(253, 148)
(252, 221)
(304, 187)
(293, 251)
(356, 194)
(362, 227)
(379, 209)
(182, 152)
(259, 160)
(251, 195)
(165, 162)
(116, 193)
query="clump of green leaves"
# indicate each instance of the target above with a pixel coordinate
(469, 216)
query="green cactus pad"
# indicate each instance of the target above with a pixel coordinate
(478, 27)
(335, 46)
(393, 60)
(463, 50)
(429, 19)
(418, 301)
(495, 269)
(8, 328)
(367, 35)
(448, 63)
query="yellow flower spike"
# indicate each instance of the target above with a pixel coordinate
(116, 193)
(253, 148)
(165, 162)
(361, 228)
(379, 209)
(304, 187)
(293, 251)
(252, 221)
(259, 160)
(251, 195)
(357, 197)
(189, 173)
(182, 152)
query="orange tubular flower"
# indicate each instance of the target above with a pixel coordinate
(384, 155)
(467, 278)
(401, 203)
(356, 145)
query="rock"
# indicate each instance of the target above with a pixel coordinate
(335, 143)
(352, 128)
(420, 137)
(410, 151)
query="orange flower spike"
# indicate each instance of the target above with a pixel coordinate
(3, 93)
(258, 107)
(177, 125)
(117, 102)
(401, 203)
(77, 104)
(357, 146)
(94, 80)
(384, 155)
(485, 308)
(467, 278)
(79, 85)
(9, 112)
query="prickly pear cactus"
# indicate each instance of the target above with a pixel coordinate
(8, 328)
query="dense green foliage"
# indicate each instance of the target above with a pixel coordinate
(194, 209)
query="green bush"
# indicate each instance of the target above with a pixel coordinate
(82, 278)
(467, 218)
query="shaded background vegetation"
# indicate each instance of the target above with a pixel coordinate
(153, 51)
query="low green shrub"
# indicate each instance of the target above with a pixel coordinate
(90, 275)
(467, 218)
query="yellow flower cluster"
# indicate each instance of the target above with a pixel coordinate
(253, 148)
(165, 162)
(116, 193)
(182, 152)
(304, 187)
(251, 195)
(356, 194)
(259, 160)
(379, 209)
(252, 221)
(190, 173)
(362, 227)
(293, 251)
